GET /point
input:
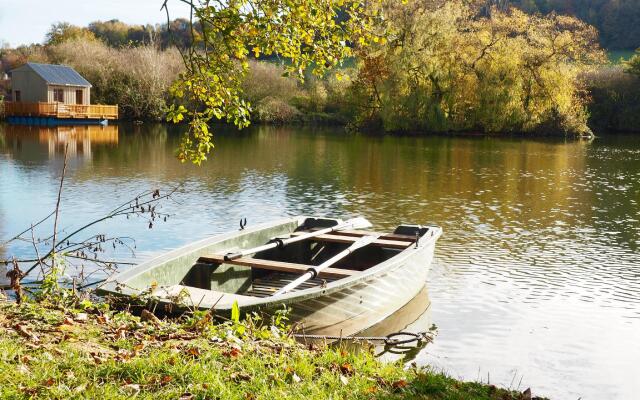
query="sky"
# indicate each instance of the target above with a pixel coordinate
(27, 21)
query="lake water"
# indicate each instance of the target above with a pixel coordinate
(536, 280)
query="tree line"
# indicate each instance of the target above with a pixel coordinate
(442, 66)
(617, 20)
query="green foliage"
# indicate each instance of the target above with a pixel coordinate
(307, 33)
(63, 31)
(632, 66)
(617, 20)
(448, 69)
(116, 33)
(615, 104)
(235, 312)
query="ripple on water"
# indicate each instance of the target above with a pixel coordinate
(536, 281)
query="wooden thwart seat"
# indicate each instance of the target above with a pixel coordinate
(267, 287)
(384, 236)
(277, 266)
(339, 238)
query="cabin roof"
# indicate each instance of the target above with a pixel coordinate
(58, 74)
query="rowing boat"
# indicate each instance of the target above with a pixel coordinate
(336, 280)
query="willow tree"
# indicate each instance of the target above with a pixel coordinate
(449, 68)
(308, 35)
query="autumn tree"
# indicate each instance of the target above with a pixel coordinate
(632, 66)
(309, 34)
(450, 69)
(63, 31)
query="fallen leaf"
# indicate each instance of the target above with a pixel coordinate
(24, 369)
(28, 391)
(48, 382)
(233, 353)
(166, 379)
(133, 388)
(97, 358)
(124, 355)
(24, 332)
(194, 351)
(239, 376)
(186, 396)
(58, 351)
(148, 316)
(80, 388)
(81, 317)
(371, 389)
(346, 369)
(399, 384)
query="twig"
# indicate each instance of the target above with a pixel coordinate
(16, 237)
(35, 247)
(117, 212)
(57, 212)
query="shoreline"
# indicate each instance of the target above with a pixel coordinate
(90, 351)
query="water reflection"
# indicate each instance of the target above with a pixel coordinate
(415, 317)
(79, 139)
(537, 275)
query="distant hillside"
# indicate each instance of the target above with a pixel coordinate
(617, 20)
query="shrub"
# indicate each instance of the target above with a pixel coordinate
(135, 78)
(632, 66)
(615, 99)
(274, 110)
(265, 79)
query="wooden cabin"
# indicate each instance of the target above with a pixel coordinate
(49, 83)
(53, 91)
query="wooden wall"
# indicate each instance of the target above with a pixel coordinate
(31, 86)
(69, 93)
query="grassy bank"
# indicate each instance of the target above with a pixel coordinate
(50, 353)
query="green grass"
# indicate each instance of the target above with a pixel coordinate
(48, 353)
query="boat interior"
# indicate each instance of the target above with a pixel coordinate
(264, 273)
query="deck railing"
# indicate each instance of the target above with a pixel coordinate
(60, 110)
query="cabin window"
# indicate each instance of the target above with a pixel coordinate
(79, 97)
(58, 95)
(17, 96)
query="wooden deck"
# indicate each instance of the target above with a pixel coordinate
(60, 110)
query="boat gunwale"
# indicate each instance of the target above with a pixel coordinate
(110, 285)
(388, 265)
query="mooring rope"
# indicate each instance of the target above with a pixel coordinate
(389, 340)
